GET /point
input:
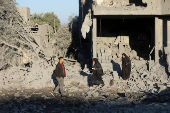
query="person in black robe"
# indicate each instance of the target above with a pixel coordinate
(97, 73)
(126, 67)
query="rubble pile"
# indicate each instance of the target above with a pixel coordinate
(108, 47)
(24, 63)
(152, 81)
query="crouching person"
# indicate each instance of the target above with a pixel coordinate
(60, 74)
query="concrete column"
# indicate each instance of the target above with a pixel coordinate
(158, 38)
(94, 36)
(168, 33)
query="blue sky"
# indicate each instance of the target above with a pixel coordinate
(62, 8)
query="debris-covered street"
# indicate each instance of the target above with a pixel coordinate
(31, 45)
(26, 101)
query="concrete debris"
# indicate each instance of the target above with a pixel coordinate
(27, 66)
(17, 94)
(112, 82)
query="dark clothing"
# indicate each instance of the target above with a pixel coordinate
(60, 74)
(97, 73)
(126, 67)
(60, 71)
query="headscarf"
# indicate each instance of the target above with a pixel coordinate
(124, 55)
(98, 66)
(96, 61)
(125, 60)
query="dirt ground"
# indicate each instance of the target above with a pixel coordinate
(42, 101)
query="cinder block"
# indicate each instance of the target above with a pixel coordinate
(108, 61)
(107, 57)
(103, 54)
(99, 57)
(98, 50)
(110, 57)
(103, 57)
(101, 50)
(108, 51)
(103, 61)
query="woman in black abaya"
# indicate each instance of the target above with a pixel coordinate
(126, 67)
(97, 73)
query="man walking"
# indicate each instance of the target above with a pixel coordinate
(60, 74)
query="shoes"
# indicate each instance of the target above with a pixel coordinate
(63, 96)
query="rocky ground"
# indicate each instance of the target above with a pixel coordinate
(98, 100)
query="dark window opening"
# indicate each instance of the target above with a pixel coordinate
(139, 31)
(28, 65)
(138, 3)
(34, 29)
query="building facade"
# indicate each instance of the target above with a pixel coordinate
(25, 13)
(136, 27)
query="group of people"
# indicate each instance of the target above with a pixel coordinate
(97, 73)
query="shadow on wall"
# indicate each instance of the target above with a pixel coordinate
(163, 62)
(116, 67)
(74, 29)
(163, 53)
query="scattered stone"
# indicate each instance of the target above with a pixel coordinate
(27, 96)
(96, 94)
(19, 89)
(112, 82)
(162, 87)
(17, 94)
(75, 83)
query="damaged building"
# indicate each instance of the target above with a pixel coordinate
(41, 33)
(140, 28)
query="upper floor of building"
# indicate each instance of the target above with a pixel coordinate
(131, 7)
